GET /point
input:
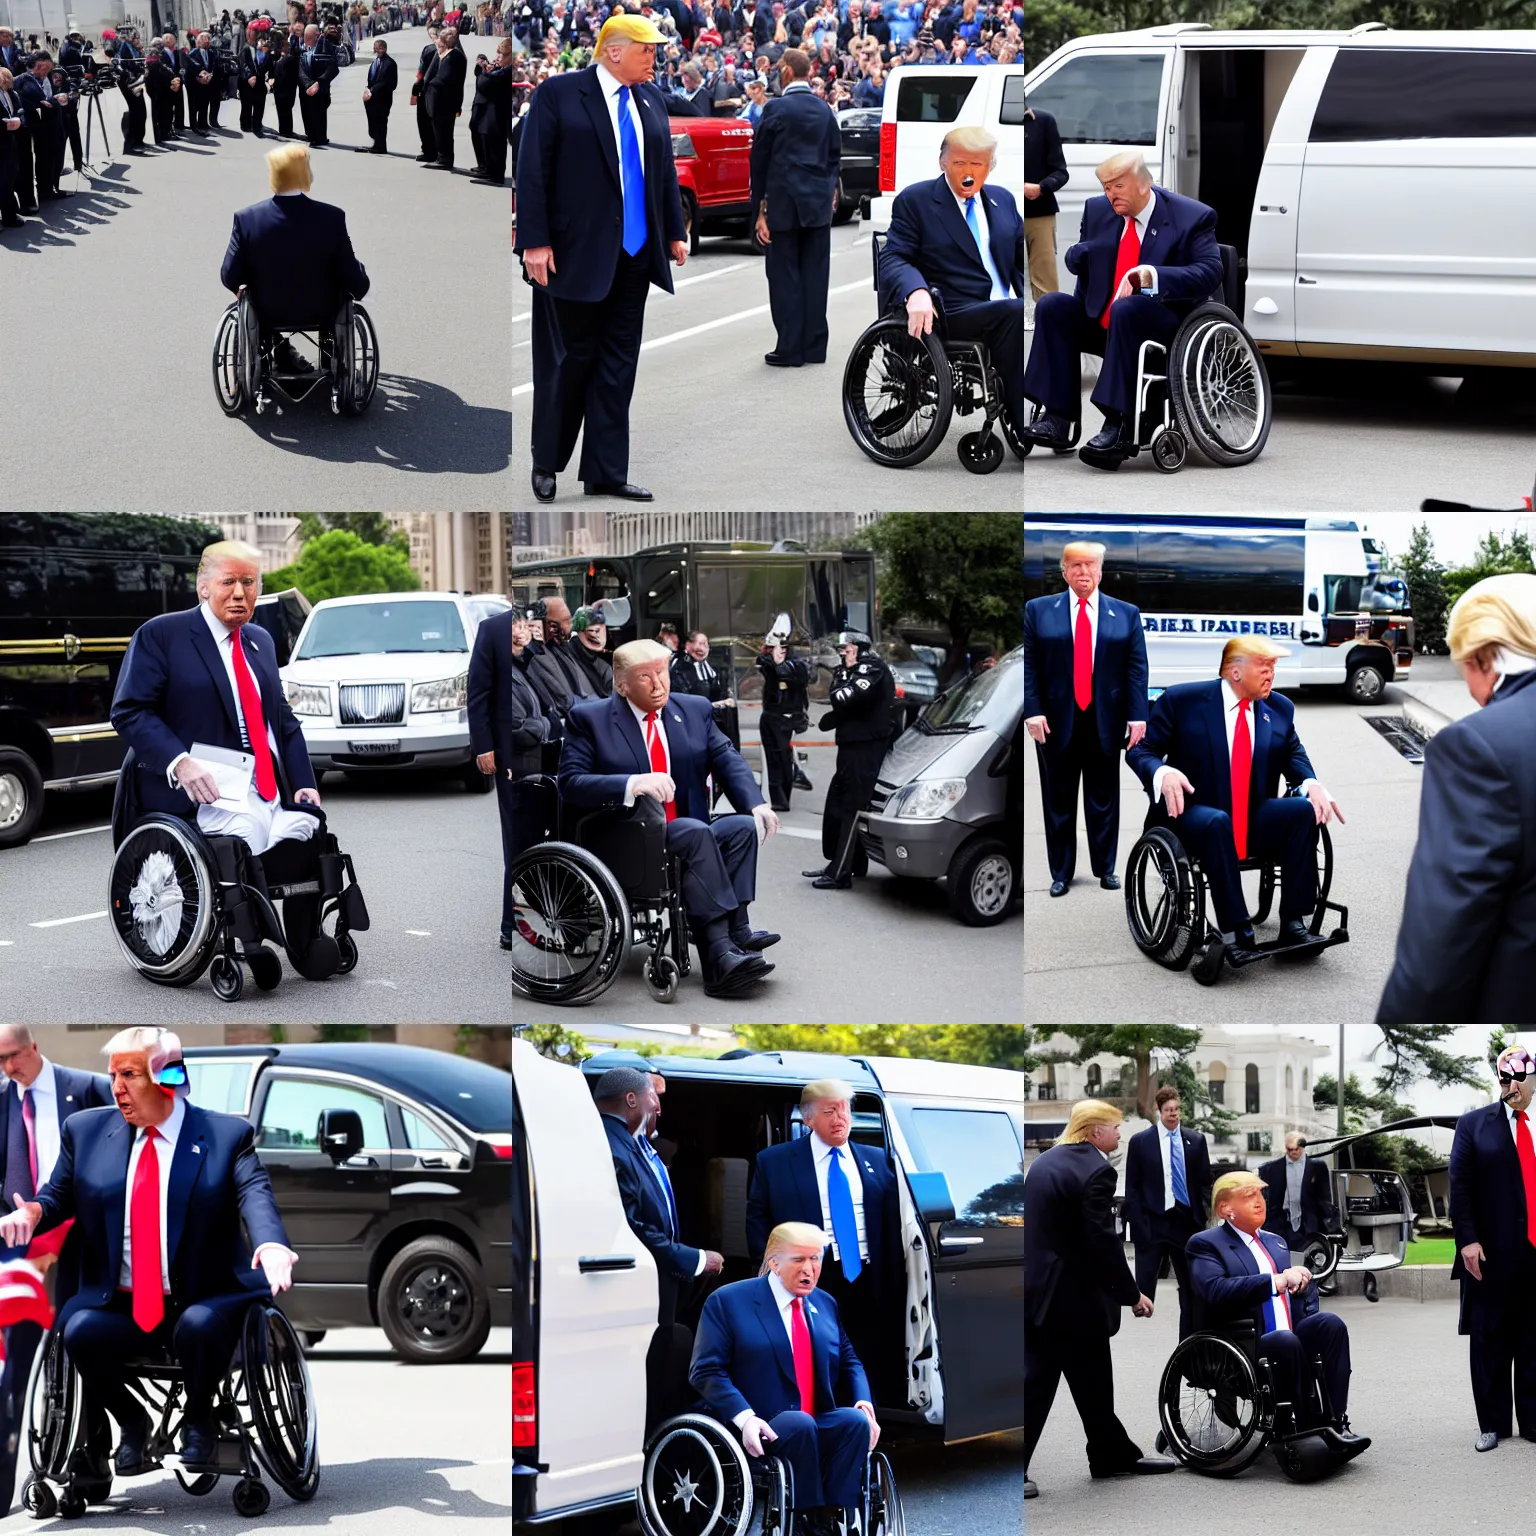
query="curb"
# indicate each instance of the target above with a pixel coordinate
(1416, 1282)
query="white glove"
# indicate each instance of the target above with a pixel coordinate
(277, 1262)
(754, 1433)
(16, 1228)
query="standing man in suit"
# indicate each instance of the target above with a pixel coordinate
(1076, 1281)
(1299, 1194)
(317, 68)
(159, 1191)
(13, 126)
(1045, 174)
(797, 156)
(645, 743)
(1144, 259)
(490, 117)
(1085, 695)
(427, 60)
(1493, 1216)
(285, 82)
(1167, 1198)
(693, 672)
(443, 87)
(379, 97)
(176, 67)
(258, 65)
(1212, 761)
(203, 82)
(848, 1191)
(599, 215)
(43, 108)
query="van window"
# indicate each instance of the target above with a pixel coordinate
(290, 1118)
(1012, 113)
(1413, 93)
(220, 1085)
(931, 98)
(21, 583)
(419, 1136)
(978, 1151)
(1104, 98)
(1214, 573)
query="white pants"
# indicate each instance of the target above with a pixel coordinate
(260, 824)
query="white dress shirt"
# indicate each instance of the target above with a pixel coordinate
(657, 1170)
(45, 1109)
(1266, 1265)
(612, 85)
(1165, 1137)
(666, 750)
(984, 231)
(821, 1154)
(1142, 220)
(1514, 1125)
(164, 1151)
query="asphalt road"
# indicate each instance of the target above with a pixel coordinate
(1409, 1391)
(1082, 967)
(403, 1449)
(702, 370)
(121, 287)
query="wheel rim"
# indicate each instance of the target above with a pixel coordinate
(1210, 1408)
(1367, 684)
(1159, 911)
(1229, 386)
(365, 358)
(702, 1486)
(435, 1304)
(561, 927)
(55, 1412)
(992, 885)
(897, 402)
(13, 801)
(226, 363)
(277, 1391)
(160, 898)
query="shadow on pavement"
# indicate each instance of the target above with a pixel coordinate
(79, 214)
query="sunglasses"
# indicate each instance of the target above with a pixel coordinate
(1516, 1067)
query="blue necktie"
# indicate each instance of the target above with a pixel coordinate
(998, 291)
(659, 1168)
(845, 1225)
(632, 176)
(1176, 1159)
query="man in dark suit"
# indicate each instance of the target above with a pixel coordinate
(1085, 695)
(490, 116)
(1045, 174)
(1076, 1281)
(130, 61)
(443, 88)
(1493, 1216)
(176, 67)
(1299, 1193)
(258, 67)
(427, 59)
(1239, 1272)
(644, 743)
(201, 91)
(797, 156)
(379, 97)
(692, 672)
(964, 238)
(11, 55)
(772, 1359)
(159, 73)
(1167, 1197)
(1144, 259)
(13, 135)
(598, 216)
(1212, 761)
(157, 1165)
(317, 68)
(43, 108)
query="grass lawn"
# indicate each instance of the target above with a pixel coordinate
(1434, 1250)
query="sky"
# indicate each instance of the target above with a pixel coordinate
(1456, 534)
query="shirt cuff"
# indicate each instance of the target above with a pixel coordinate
(170, 772)
(1301, 788)
(864, 1402)
(629, 789)
(1153, 271)
(699, 1269)
(1157, 781)
(742, 1417)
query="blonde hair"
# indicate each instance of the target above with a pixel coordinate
(1083, 549)
(635, 653)
(1119, 163)
(1086, 1114)
(1230, 1181)
(224, 552)
(791, 1234)
(1496, 611)
(977, 140)
(288, 168)
(825, 1088)
(1252, 647)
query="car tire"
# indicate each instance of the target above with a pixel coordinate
(428, 1267)
(1365, 684)
(691, 222)
(21, 797)
(846, 207)
(983, 883)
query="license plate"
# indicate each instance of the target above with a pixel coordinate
(373, 748)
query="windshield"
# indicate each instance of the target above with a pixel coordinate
(369, 629)
(986, 698)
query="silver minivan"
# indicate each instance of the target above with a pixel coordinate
(949, 802)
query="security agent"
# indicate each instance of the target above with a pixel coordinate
(589, 631)
(379, 97)
(130, 64)
(43, 105)
(863, 692)
(257, 71)
(317, 68)
(419, 99)
(1299, 1193)
(693, 672)
(203, 93)
(786, 709)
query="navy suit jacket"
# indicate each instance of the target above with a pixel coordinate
(645, 1206)
(1487, 1207)
(1318, 1212)
(216, 1183)
(296, 258)
(1119, 668)
(1144, 1180)
(931, 246)
(604, 746)
(797, 154)
(570, 196)
(1467, 946)
(383, 77)
(1228, 1283)
(505, 714)
(742, 1358)
(173, 690)
(1180, 242)
(74, 1090)
(321, 70)
(1188, 730)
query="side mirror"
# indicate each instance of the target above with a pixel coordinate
(341, 1134)
(931, 1192)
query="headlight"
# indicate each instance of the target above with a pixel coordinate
(682, 147)
(927, 799)
(308, 698)
(446, 693)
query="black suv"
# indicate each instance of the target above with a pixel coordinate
(392, 1167)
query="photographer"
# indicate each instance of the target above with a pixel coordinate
(76, 63)
(12, 133)
(128, 62)
(490, 118)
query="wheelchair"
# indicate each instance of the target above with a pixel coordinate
(1165, 906)
(603, 885)
(246, 374)
(697, 1480)
(900, 391)
(180, 900)
(264, 1414)
(1207, 388)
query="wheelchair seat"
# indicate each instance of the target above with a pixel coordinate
(245, 359)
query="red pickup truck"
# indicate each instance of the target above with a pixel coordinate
(713, 157)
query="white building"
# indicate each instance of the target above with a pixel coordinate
(275, 534)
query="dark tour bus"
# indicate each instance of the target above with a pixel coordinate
(73, 589)
(732, 591)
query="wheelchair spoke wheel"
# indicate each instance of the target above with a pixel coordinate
(898, 394)
(54, 1418)
(696, 1481)
(365, 359)
(162, 902)
(570, 924)
(228, 379)
(1162, 900)
(883, 1515)
(1220, 387)
(281, 1401)
(1209, 1406)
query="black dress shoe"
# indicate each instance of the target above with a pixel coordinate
(543, 485)
(732, 972)
(832, 883)
(800, 781)
(129, 1460)
(1293, 930)
(22, 224)
(1109, 437)
(1030, 1490)
(1344, 1445)
(426, 159)
(778, 360)
(1060, 887)
(505, 940)
(1487, 1441)
(199, 1448)
(814, 874)
(756, 941)
(1110, 882)
(1243, 938)
(625, 492)
(377, 151)
(1142, 1466)
(1049, 431)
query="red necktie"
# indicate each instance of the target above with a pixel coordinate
(1128, 256)
(144, 1237)
(800, 1342)
(658, 755)
(1242, 767)
(255, 725)
(1527, 1171)
(29, 1119)
(1082, 657)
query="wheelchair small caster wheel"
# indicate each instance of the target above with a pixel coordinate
(1169, 450)
(981, 452)
(39, 1500)
(1370, 1287)
(347, 947)
(72, 1505)
(1208, 962)
(251, 1497)
(266, 968)
(228, 981)
(198, 1485)
(661, 978)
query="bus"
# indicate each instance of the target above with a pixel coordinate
(1306, 582)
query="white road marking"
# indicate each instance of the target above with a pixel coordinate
(418, 933)
(6, 943)
(784, 831)
(53, 837)
(59, 922)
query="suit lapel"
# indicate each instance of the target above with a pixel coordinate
(997, 237)
(1263, 734)
(804, 1160)
(629, 728)
(773, 1325)
(1215, 717)
(954, 225)
(186, 1165)
(208, 653)
(117, 1144)
(597, 109)
(1156, 222)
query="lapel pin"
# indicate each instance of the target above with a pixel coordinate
(196, 1149)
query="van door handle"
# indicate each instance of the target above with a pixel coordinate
(601, 1264)
(960, 1242)
(1311, 282)
(1273, 208)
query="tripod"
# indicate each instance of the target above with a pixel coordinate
(89, 100)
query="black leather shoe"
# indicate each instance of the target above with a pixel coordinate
(1243, 938)
(1344, 1445)
(801, 782)
(1030, 1490)
(832, 883)
(732, 972)
(199, 1448)
(1487, 1441)
(756, 941)
(625, 492)
(1049, 431)
(129, 1460)
(1060, 887)
(426, 159)
(543, 485)
(1109, 437)
(1110, 882)
(505, 940)
(1294, 931)
(778, 360)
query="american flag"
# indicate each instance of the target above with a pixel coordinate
(23, 1297)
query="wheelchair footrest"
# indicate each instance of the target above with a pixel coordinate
(1273, 947)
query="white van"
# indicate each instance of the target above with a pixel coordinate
(584, 1288)
(1380, 185)
(923, 102)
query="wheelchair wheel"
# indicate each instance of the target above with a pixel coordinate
(53, 1420)
(228, 369)
(357, 361)
(1208, 963)
(227, 978)
(38, 1499)
(1269, 879)
(898, 394)
(883, 1514)
(346, 946)
(1219, 387)
(981, 454)
(571, 927)
(1208, 1402)
(696, 1481)
(1163, 900)
(1169, 450)
(250, 348)
(776, 1491)
(1320, 1257)
(251, 1497)
(162, 901)
(661, 978)
(282, 1403)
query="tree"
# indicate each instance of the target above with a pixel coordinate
(1146, 1046)
(1428, 599)
(340, 564)
(1363, 1110)
(1413, 1052)
(985, 1045)
(370, 527)
(1198, 1110)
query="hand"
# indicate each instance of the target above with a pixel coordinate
(760, 229)
(1142, 1308)
(311, 91)
(868, 1410)
(1175, 787)
(1138, 729)
(277, 1263)
(251, 81)
(919, 312)
(486, 762)
(538, 263)
(1471, 1255)
(755, 1432)
(197, 781)
(306, 797)
(16, 1229)
(367, 95)
(1031, 190)
(1038, 729)
(1322, 807)
(13, 123)
(658, 786)
(713, 1262)
(679, 252)
(767, 818)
